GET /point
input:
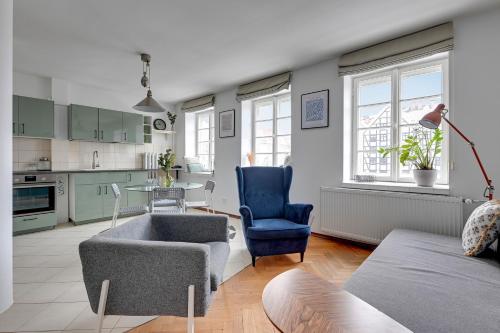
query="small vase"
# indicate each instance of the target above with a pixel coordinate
(168, 180)
(425, 178)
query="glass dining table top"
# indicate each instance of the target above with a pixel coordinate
(150, 187)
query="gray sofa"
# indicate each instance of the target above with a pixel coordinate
(425, 282)
(151, 261)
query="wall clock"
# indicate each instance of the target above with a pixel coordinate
(159, 124)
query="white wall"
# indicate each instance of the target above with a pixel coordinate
(317, 153)
(6, 290)
(475, 103)
(227, 156)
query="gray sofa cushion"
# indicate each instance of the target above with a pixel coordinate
(219, 252)
(425, 282)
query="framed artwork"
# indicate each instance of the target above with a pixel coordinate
(315, 109)
(226, 124)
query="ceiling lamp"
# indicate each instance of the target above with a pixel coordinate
(148, 104)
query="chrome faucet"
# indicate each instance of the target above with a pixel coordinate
(95, 159)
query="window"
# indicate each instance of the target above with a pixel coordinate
(271, 130)
(387, 106)
(205, 135)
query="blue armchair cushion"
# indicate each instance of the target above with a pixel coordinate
(265, 190)
(277, 229)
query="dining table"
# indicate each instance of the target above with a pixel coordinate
(149, 188)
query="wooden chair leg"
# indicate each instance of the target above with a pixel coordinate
(190, 321)
(102, 305)
(253, 261)
(301, 256)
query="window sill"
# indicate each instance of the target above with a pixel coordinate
(398, 187)
(203, 173)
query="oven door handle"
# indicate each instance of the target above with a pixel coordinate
(34, 185)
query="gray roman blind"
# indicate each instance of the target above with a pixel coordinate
(409, 47)
(198, 104)
(263, 87)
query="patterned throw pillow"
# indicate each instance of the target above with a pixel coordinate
(481, 228)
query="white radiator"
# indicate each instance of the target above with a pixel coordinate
(369, 215)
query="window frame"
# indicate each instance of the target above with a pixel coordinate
(211, 136)
(394, 72)
(275, 100)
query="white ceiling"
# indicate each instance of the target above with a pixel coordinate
(204, 46)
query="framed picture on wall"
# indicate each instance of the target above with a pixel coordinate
(315, 109)
(226, 124)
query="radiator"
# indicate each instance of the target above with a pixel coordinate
(369, 215)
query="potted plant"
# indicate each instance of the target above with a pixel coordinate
(171, 117)
(166, 162)
(420, 150)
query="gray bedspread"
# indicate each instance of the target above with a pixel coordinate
(425, 282)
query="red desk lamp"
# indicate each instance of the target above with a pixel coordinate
(432, 120)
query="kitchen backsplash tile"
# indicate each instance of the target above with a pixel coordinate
(74, 155)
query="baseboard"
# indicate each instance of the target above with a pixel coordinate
(346, 241)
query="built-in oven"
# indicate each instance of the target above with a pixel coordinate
(34, 194)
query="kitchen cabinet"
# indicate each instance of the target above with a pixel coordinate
(110, 126)
(83, 122)
(92, 198)
(88, 199)
(94, 124)
(135, 198)
(15, 114)
(33, 117)
(37, 222)
(133, 128)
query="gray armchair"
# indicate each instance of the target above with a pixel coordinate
(151, 262)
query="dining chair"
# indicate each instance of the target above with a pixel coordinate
(123, 210)
(208, 203)
(163, 198)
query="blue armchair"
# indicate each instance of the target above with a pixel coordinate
(271, 224)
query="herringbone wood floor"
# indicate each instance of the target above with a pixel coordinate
(237, 307)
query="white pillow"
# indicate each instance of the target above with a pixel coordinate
(481, 228)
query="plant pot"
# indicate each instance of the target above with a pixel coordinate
(425, 178)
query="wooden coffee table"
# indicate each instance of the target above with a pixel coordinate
(300, 302)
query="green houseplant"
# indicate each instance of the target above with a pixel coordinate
(171, 118)
(420, 150)
(166, 162)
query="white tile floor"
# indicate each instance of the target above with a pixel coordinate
(49, 294)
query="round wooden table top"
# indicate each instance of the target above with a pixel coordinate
(300, 302)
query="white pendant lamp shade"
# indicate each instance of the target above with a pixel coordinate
(149, 104)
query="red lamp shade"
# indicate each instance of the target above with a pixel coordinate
(432, 120)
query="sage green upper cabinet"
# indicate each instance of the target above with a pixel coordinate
(35, 117)
(83, 122)
(15, 114)
(110, 126)
(133, 128)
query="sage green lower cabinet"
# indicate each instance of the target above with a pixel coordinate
(135, 198)
(108, 200)
(30, 223)
(83, 122)
(88, 202)
(92, 198)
